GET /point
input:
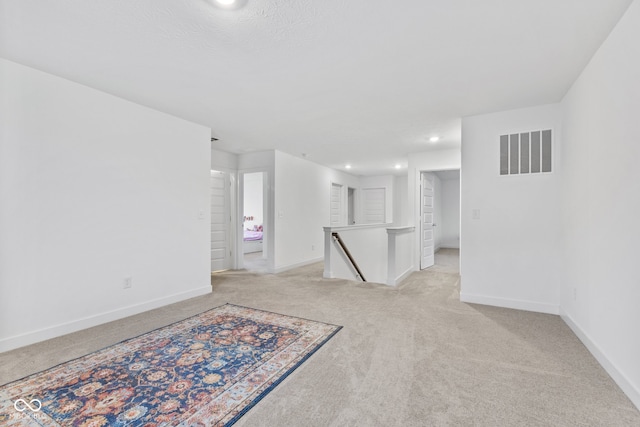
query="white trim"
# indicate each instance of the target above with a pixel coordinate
(296, 265)
(386, 225)
(537, 307)
(22, 340)
(632, 392)
(403, 276)
(401, 230)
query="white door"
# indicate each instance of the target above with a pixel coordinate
(220, 221)
(336, 205)
(426, 193)
(374, 205)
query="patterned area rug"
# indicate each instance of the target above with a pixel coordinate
(207, 370)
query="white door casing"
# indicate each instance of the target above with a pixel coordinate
(220, 221)
(426, 222)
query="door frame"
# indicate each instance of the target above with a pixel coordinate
(418, 211)
(342, 197)
(267, 223)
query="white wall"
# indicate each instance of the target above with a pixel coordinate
(223, 161)
(401, 201)
(94, 189)
(511, 255)
(450, 224)
(600, 296)
(302, 195)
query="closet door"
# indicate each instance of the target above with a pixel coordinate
(336, 205)
(374, 205)
(427, 241)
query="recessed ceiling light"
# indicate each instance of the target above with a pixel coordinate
(347, 166)
(398, 166)
(229, 4)
(434, 139)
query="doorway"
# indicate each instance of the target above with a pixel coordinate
(254, 253)
(351, 206)
(439, 215)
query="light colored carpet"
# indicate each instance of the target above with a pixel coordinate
(255, 263)
(411, 356)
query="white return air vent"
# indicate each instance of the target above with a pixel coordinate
(526, 152)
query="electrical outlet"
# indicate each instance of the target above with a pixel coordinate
(313, 248)
(128, 283)
(475, 214)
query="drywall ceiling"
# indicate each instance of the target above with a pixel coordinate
(364, 82)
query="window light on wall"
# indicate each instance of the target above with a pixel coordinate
(526, 152)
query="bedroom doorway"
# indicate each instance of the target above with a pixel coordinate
(253, 220)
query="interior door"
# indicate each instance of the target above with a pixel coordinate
(427, 241)
(220, 221)
(374, 205)
(336, 205)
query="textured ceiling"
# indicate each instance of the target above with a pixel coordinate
(364, 82)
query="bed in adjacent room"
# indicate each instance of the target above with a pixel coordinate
(253, 239)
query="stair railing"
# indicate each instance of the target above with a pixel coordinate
(340, 242)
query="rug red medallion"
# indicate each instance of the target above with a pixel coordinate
(207, 370)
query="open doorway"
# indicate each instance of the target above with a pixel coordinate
(440, 219)
(351, 206)
(253, 222)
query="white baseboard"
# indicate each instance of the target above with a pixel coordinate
(296, 265)
(403, 276)
(632, 392)
(54, 331)
(537, 307)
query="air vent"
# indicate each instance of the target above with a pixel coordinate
(526, 152)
